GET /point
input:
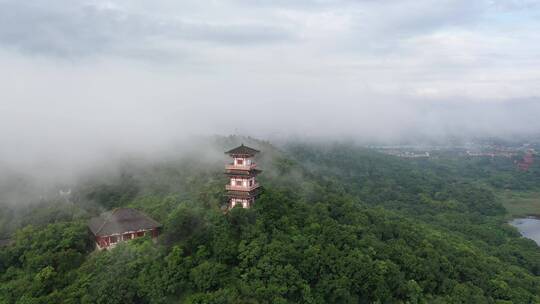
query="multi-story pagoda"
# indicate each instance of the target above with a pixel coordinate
(242, 188)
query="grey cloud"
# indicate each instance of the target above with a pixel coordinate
(506, 118)
(73, 28)
(301, 4)
(55, 28)
(398, 15)
(68, 28)
(399, 19)
(232, 34)
(512, 5)
(363, 69)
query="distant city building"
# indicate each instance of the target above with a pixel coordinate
(406, 154)
(120, 225)
(492, 153)
(243, 187)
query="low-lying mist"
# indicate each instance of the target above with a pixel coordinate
(188, 171)
(58, 149)
(86, 85)
(61, 122)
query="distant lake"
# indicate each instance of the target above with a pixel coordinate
(529, 228)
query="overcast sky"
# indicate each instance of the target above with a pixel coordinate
(84, 75)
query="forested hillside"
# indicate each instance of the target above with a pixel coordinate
(335, 224)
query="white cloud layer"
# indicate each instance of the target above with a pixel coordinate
(85, 75)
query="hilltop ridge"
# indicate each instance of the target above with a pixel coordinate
(336, 223)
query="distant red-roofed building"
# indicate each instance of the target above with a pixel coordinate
(527, 161)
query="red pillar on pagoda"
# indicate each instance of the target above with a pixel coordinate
(243, 187)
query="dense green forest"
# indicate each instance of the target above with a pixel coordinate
(335, 224)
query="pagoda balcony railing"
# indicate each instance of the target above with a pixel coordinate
(242, 188)
(240, 167)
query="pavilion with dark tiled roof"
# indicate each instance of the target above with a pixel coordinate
(121, 224)
(5, 242)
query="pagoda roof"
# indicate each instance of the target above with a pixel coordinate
(244, 194)
(242, 150)
(121, 220)
(243, 173)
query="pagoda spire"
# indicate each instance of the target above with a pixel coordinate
(243, 187)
